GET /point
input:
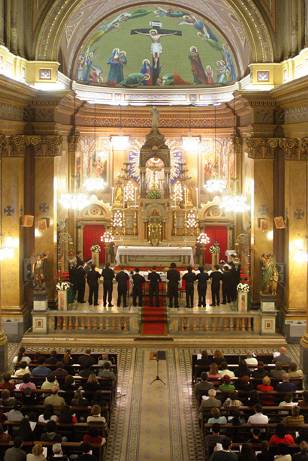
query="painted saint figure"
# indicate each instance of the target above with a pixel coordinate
(116, 61)
(197, 69)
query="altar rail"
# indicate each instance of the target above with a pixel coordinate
(199, 323)
(85, 322)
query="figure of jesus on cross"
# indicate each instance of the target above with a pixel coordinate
(155, 36)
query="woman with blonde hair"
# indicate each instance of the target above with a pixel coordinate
(264, 388)
(218, 357)
(37, 453)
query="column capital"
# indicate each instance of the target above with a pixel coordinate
(264, 148)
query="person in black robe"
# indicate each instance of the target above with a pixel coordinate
(108, 275)
(173, 277)
(122, 279)
(190, 278)
(154, 279)
(80, 277)
(227, 285)
(92, 278)
(138, 283)
(202, 279)
(216, 277)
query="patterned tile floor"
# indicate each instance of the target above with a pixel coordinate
(151, 422)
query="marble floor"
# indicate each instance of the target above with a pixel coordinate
(156, 421)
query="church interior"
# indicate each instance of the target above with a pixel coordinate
(154, 211)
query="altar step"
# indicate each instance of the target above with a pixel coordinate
(154, 320)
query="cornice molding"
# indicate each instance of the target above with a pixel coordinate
(264, 148)
(43, 146)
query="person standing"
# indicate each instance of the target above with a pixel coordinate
(122, 279)
(202, 279)
(154, 279)
(138, 283)
(189, 278)
(80, 277)
(108, 275)
(236, 275)
(227, 282)
(173, 277)
(216, 277)
(92, 279)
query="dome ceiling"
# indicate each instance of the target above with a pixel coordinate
(91, 16)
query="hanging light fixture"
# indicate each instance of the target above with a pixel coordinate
(215, 184)
(107, 237)
(75, 201)
(190, 143)
(203, 238)
(120, 142)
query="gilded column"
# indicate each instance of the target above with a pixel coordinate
(1, 22)
(261, 150)
(46, 148)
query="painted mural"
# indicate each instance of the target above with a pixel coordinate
(155, 46)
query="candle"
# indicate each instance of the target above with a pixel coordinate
(135, 196)
(197, 198)
(112, 192)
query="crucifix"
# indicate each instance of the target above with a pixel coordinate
(155, 36)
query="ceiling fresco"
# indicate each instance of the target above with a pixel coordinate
(155, 45)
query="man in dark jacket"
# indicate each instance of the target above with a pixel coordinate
(15, 453)
(189, 279)
(122, 279)
(138, 283)
(92, 279)
(227, 281)
(173, 277)
(108, 275)
(202, 278)
(154, 279)
(80, 277)
(216, 277)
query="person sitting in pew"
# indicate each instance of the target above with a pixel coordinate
(87, 453)
(15, 453)
(243, 369)
(79, 400)
(264, 388)
(53, 358)
(26, 384)
(67, 416)
(106, 372)
(15, 413)
(68, 387)
(50, 434)
(216, 417)
(286, 386)
(295, 419)
(294, 372)
(92, 384)
(6, 401)
(233, 401)
(226, 386)
(21, 357)
(212, 439)
(7, 383)
(60, 372)
(4, 436)
(260, 372)
(93, 437)
(202, 387)
(251, 359)
(213, 372)
(25, 431)
(258, 417)
(57, 453)
(224, 370)
(302, 455)
(96, 417)
(218, 357)
(86, 360)
(54, 398)
(41, 370)
(225, 454)
(283, 359)
(281, 437)
(47, 415)
(50, 382)
(104, 358)
(22, 370)
(278, 372)
(210, 402)
(204, 360)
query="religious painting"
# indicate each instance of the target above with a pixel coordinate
(155, 167)
(218, 159)
(155, 45)
(92, 159)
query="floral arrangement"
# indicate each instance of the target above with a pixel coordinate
(214, 249)
(243, 287)
(154, 193)
(95, 249)
(62, 286)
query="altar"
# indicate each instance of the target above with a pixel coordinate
(148, 256)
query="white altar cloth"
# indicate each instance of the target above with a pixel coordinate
(154, 255)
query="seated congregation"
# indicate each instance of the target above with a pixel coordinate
(56, 406)
(251, 408)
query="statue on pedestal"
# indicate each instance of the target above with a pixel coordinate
(40, 275)
(269, 274)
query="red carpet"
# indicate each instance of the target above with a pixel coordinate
(154, 320)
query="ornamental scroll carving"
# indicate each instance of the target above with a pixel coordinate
(43, 146)
(264, 148)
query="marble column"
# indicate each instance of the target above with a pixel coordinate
(260, 149)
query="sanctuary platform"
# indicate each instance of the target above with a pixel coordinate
(103, 321)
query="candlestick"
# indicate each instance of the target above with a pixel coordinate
(112, 192)
(197, 198)
(135, 196)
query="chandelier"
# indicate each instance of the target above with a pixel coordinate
(75, 201)
(117, 220)
(107, 237)
(234, 204)
(191, 220)
(94, 184)
(203, 238)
